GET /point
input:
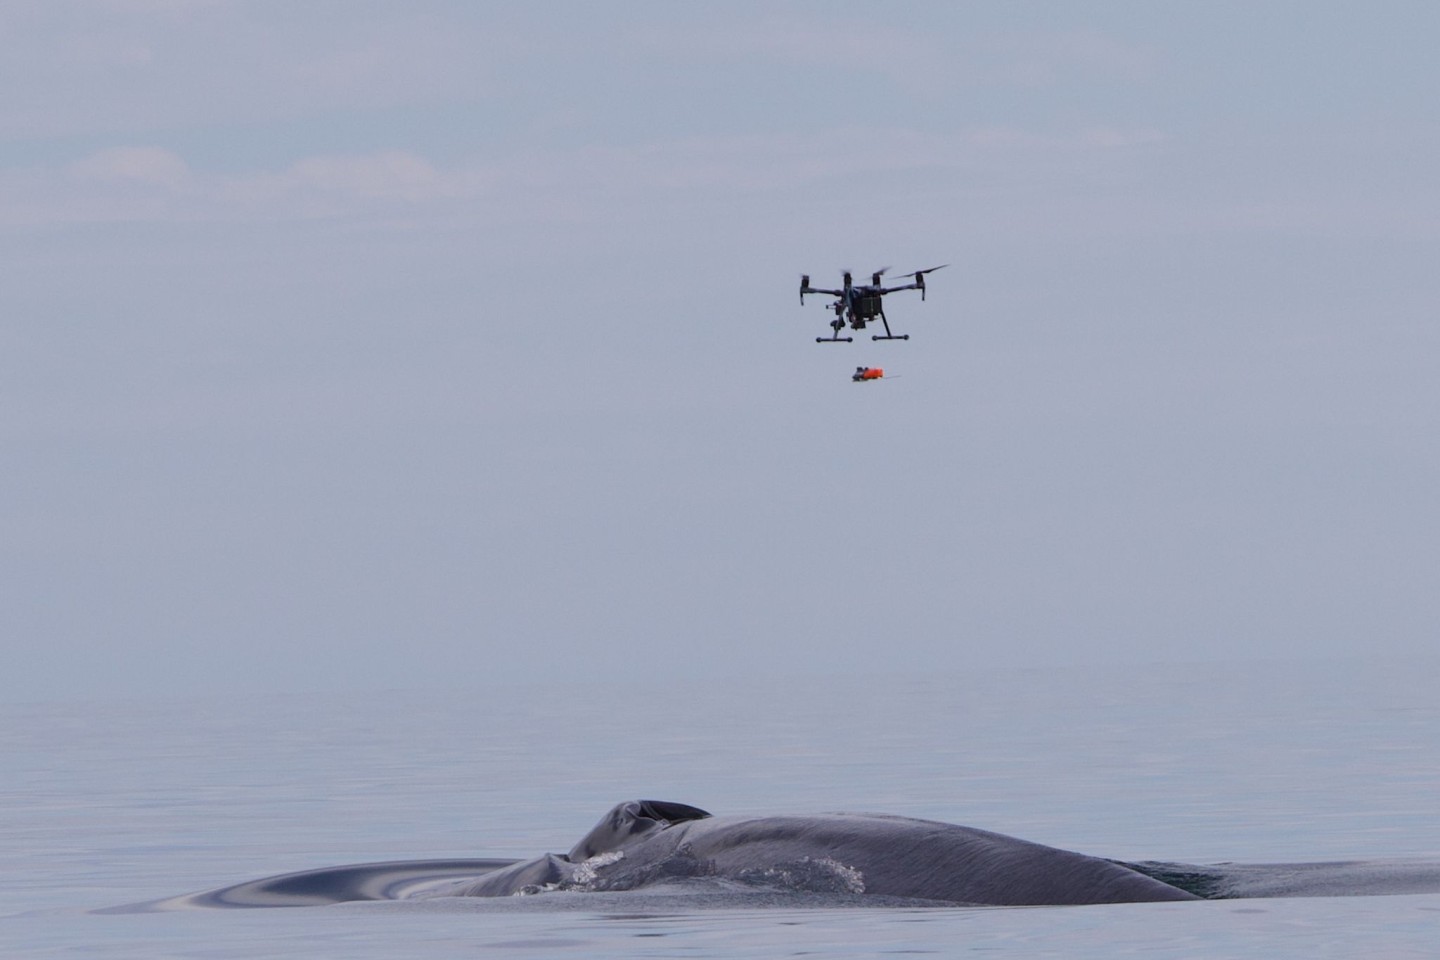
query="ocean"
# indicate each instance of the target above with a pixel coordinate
(113, 803)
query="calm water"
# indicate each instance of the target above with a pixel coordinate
(114, 803)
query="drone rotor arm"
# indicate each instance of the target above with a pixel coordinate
(918, 283)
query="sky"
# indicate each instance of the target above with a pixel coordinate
(354, 345)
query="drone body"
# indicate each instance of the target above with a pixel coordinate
(858, 305)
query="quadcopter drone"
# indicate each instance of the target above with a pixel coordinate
(857, 306)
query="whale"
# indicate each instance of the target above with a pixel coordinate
(664, 849)
(642, 843)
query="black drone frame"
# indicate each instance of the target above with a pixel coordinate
(859, 305)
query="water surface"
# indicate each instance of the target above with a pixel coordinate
(113, 803)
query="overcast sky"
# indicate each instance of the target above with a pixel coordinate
(362, 344)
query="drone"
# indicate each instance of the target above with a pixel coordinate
(857, 306)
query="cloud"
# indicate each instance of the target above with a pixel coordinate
(1108, 137)
(155, 166)
(1084, 178)
(152, 183)
(929, 64)
(132, 65)
(1080, 55)
(909, 57)
(392, 175)
(159, 7)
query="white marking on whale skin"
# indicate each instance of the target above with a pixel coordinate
(832, 876)
(853, 879)
(589, 870)
(586, 875)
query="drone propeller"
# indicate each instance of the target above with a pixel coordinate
(919, 276)
(875, 277)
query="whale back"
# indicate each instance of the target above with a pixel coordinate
(921, 859)
(644, 843)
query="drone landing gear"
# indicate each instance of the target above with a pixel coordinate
(888, 334)
(836, 325)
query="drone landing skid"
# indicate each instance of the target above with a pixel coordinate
(834, 339)
(897, 336)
